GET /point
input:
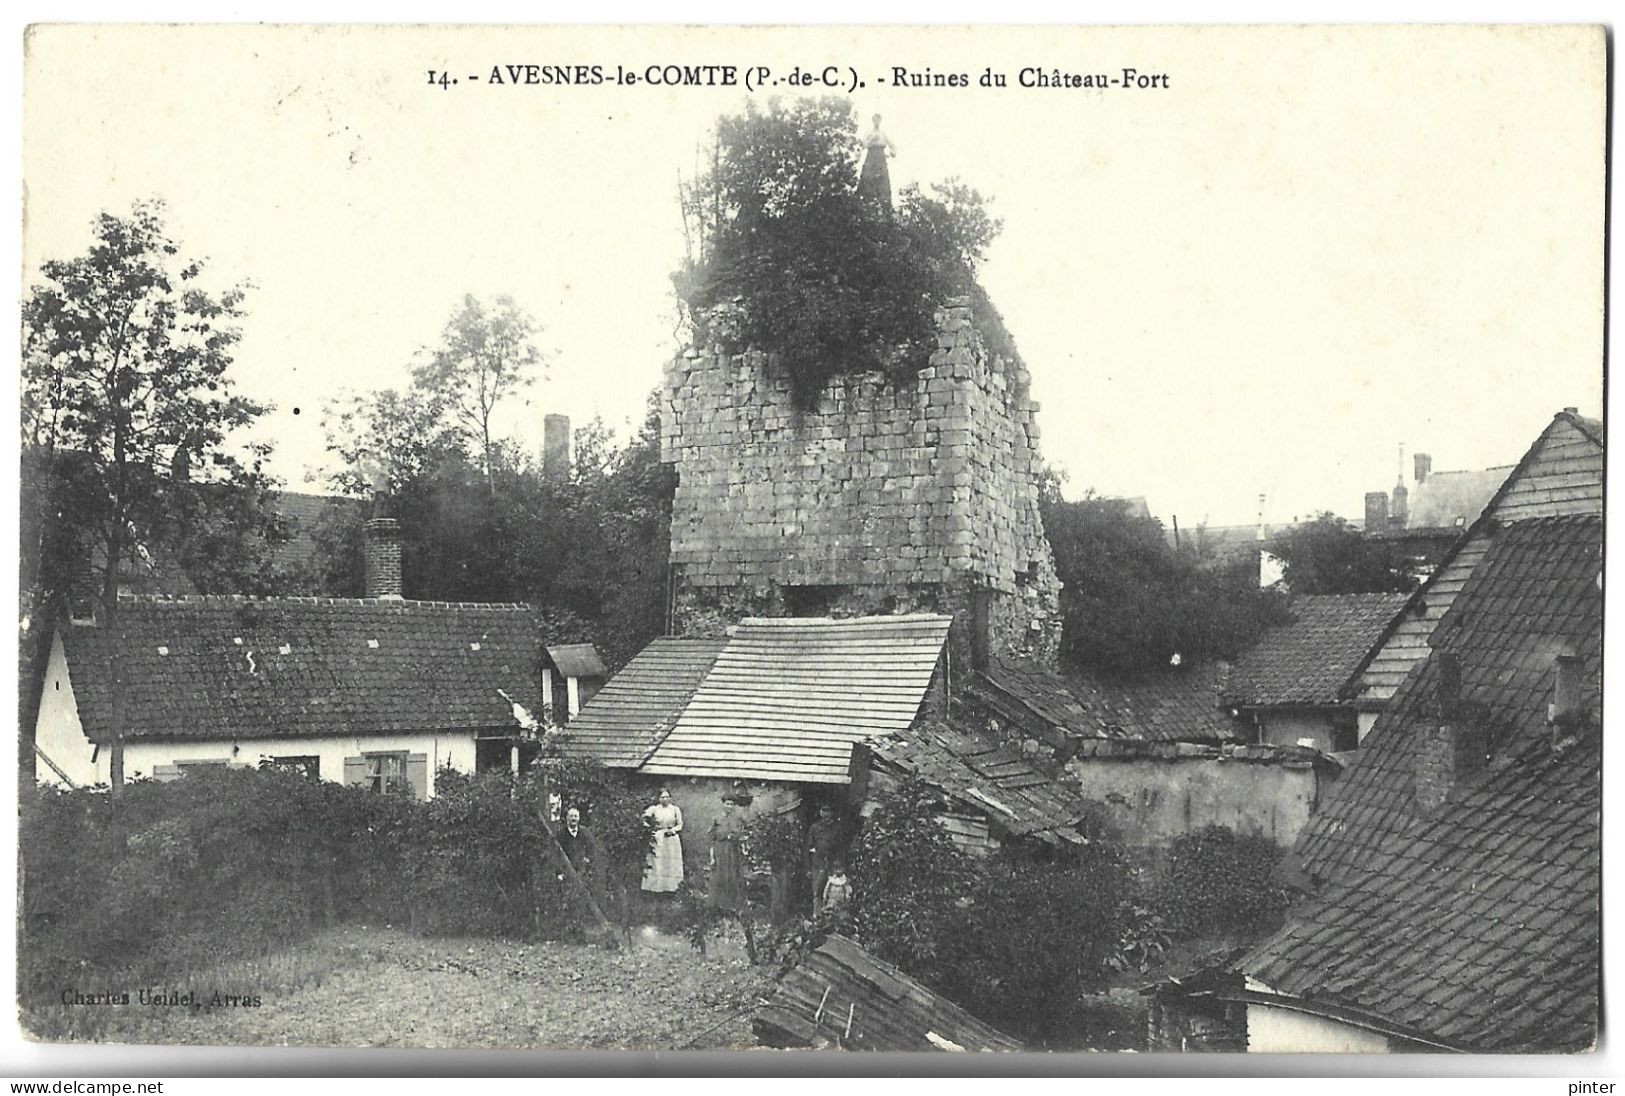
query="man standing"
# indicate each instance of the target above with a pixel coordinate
(577, 846)
(576, 843)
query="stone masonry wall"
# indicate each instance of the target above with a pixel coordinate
(894, 496)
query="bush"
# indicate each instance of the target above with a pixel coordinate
(475, 860)
(910, 883)
(1017, 940)
(1218, 882)
(1038, 937)
(173, 877)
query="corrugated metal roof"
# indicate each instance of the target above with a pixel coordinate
(634, 711)
(787, 698)
(843, 996)
(577, 660)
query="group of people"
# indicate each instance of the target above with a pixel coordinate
(663, 871)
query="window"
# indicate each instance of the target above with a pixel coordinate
(386, 774)
(389, 772)
(308, 766)
(183, 766)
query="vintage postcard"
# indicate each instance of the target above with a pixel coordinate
(946, 540)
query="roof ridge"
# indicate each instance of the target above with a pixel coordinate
(306, 599)
(895, 618)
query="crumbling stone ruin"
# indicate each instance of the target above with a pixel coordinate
(888, 496)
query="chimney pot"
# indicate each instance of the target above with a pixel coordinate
(1376, 511)
(1568, 700)
(1424, 467)
(382, 558)
(556, 449)
(1451, 747)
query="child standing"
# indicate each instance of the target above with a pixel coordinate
(836, 889)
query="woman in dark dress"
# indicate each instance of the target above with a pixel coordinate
(728, 858)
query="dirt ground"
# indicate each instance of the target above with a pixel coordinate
(358, 986)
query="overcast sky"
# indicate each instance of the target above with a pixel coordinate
(1313, 246)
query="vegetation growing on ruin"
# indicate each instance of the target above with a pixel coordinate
(786, 255)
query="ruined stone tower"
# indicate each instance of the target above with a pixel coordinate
(885, 497)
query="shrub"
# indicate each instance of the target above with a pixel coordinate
(173, 876)
(910, 884)
(1216, 881)
(1038, 937)
(1017, 940)
(474, 860)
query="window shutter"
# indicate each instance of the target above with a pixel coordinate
(166, 772)
(417, 774)
(355, 771)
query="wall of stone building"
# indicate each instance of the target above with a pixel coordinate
(1151, 793)
(891, 495)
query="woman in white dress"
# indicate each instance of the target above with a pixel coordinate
(664, 872)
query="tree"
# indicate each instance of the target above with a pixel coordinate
(485, 353)
(127, 412)
(795, 262)
(1329, 556)
(591, 552)
(1130, 602)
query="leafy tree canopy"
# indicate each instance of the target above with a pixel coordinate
(129, 418)
(793, 261)
(1329, 556)
(1131, 602)
(590, 550)
(486, 352)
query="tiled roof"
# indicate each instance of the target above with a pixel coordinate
(1481, 928)
(1561, 474)
(991, 778)
(1453, 500)
(230, 667)
(632, 713)
(303, 514)
(1169, 704)
(1477, 925)
(1533, 593)
(1029, 684)
(787, 698)
(576, 660)
(1310, 660)
(841, 995)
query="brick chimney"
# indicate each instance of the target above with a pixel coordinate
(1424, 467)
(382, 555)
(1568, 708)
(556, 450)
(1400, 514)
(1452, 746)
(1376, 511)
